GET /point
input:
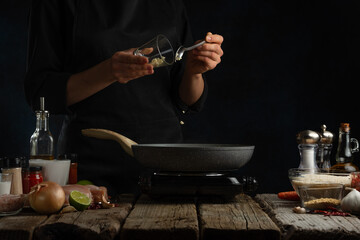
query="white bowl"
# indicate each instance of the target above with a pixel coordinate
(53, 170)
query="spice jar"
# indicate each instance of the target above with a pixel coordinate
(13, 165)
(31, 177)
(73, 166)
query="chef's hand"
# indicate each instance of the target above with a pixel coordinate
(205, 57)
(125, 66)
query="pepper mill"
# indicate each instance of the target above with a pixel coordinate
(324, 150)
(308, 145)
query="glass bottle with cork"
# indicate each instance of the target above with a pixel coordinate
(41, 142)
(346, 147)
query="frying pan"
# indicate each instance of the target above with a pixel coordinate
(179, 157)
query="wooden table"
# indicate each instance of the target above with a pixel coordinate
(307, 226)
(264, 217)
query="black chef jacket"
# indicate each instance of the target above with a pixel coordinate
(70, 36)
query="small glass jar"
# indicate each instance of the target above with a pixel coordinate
(12, 165)
(308, 156)
(31, 177)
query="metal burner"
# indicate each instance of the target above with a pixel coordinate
(227, 183)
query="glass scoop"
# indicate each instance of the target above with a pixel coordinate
(181, 50)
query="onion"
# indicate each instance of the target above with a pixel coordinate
(47, 197)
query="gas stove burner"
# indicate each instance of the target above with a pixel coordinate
(196, 183)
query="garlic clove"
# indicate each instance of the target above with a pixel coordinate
(299, 210)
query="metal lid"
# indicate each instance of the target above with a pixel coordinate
(3, 162)
(326, 136)
(13, 162)
(35, 168)
(307, 137)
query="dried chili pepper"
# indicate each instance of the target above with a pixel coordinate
(332, 212)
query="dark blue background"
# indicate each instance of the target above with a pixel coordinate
(288, 66)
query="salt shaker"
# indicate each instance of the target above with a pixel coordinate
(308, 145)
(12, 165)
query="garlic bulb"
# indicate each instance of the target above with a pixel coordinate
(351, 202)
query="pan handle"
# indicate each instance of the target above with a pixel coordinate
(125, 142)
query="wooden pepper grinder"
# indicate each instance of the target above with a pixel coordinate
(324, 150)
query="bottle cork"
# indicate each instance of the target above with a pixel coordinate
(345, 127)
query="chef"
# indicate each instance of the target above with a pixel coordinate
(80, 58)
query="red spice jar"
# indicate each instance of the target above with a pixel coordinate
(73, 166)
(73, 173)
(31, 177)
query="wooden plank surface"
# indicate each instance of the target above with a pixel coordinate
(308, 226)
(19, 227)
(89, 224)
(240, 218)
(165, 218)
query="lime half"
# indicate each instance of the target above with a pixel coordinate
(84, 182)
(79, 200)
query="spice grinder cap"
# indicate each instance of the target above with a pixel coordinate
(326, 136)
(3, 162)
(35, 168)
(13, 162)
(307, 137)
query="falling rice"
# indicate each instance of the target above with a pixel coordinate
(158, 62)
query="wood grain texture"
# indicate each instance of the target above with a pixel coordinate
(19, 227)
(241, 218)
(308, 226)
(89, 224)
(164, 218)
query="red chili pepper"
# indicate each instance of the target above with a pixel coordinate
(320, 211)
(337, 213)
(291, 195)
(332, 212)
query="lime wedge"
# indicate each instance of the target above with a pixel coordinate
(79, 200)
(84, 182)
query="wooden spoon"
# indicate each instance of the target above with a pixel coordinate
(125, 142)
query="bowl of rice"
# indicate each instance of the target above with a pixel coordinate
(312, 177)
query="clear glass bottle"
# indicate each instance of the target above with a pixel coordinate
(41, 142)
(346, 147)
